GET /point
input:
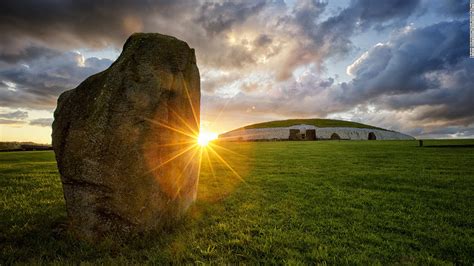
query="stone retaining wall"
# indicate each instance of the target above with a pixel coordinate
(283, 133)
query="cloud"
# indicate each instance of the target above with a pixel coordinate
(427, 67)
(417, 81)
(380, 14)
(211, 81)
(84, 23)
(259, 59)
(209, 26)
(27, 54)
(307, 96)
(17, 118)
(456, 132)
(450, 8)
(216, 17)
(19, 115)
(13, 118)
(332, 37)
(38, 83)
(11, 122)
(42, 122)
(71, 25)
(262, 40)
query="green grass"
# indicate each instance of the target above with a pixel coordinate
(335, 202)
(315, 122)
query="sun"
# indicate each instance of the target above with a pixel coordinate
(205, 137)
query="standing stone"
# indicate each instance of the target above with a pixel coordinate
(124, 139)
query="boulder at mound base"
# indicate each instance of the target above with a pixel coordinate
(124, 139)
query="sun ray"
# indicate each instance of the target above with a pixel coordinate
(221, 195)
(183, 151)
(185, 123)
(201, 145)
(226, 163)
(199, 168)
(169, 127)
(191, 103)
(214, 145)
(210, 164)
(177, 143)
(220, 112)
(178, 179)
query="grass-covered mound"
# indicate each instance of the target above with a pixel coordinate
(317, 122)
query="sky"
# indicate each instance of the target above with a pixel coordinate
(401, 64)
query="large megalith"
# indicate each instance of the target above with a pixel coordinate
(124, 139)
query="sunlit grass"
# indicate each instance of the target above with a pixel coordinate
(334, 202)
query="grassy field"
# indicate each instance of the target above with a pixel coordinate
(318, 122)
(335, 202)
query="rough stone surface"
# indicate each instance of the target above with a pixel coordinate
(322, 133)
(113, 141)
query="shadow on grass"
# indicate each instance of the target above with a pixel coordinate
(449, 146)
(36, 230)
(47, 239)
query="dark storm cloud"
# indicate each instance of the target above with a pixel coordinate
(27, 54)
(332, 37)
(417, 79)
(462, 132)
(262, 40)
(254, 48)
(305, 12)
(35, 62)
(452, 8)
(65, 25)
(373, 13)
(73, 23)
(15, 115)
(217, 17)
(38, 83)
(361, 15)
(68, 25)
(420, 67)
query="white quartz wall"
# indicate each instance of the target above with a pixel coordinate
(283, 133)
(257, 134)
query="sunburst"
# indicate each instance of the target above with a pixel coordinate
(193, 146)
(205, 137)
